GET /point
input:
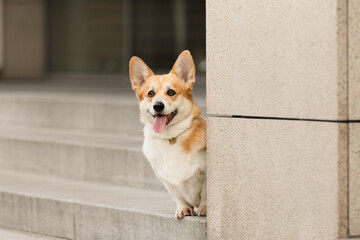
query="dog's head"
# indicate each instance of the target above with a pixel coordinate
(164, 99)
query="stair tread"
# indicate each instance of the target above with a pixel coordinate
(97, 194)
(100, 157)
(89, 109)
(97, 136)
(74, 137)
(121, 95)
(71, 209)
(6, 234)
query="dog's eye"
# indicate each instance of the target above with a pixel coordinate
(171, 92)
(151, 94)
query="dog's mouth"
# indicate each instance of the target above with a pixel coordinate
(161, 121)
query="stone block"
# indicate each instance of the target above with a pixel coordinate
(276, 179)
(277, 58)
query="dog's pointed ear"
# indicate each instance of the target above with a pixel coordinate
(138, 72)
(184, 68)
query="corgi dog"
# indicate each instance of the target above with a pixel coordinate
(174, 131)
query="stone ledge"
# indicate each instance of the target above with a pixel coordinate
(90, 210)
(7, 234)
(92, 157)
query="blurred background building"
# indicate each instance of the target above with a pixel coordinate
(43, 37)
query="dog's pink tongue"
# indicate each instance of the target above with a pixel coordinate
(159, 124)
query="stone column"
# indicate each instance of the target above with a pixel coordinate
(279, 120)
(24, 39)
(354, 115)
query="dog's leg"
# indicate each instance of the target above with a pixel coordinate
(183, 209)
(202, 211)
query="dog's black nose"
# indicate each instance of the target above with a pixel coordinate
(159, 106)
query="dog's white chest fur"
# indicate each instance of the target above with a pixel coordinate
(182, 173)
(168, 111)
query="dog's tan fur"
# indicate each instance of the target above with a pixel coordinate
(180, 164)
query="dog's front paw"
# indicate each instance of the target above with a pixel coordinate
(202, 211)
(185, 211)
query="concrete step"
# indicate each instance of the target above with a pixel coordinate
(6, 234)
(87, 107)
(78, 210)
(76, 155)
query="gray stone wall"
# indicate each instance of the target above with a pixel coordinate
(282, 87)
